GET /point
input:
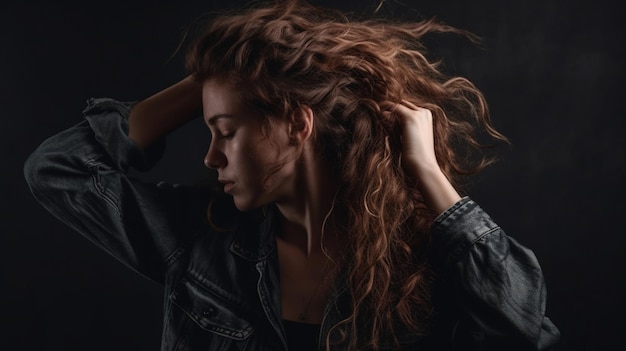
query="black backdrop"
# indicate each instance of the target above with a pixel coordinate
(550, 70)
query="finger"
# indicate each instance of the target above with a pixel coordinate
(408, 111)
(410, 105)
(413, 110)
(388, 106)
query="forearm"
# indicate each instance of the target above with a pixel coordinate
(438, 192)
(159, 114)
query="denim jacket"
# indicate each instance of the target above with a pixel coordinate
(221, 284)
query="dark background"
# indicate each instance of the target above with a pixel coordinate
(551, 71)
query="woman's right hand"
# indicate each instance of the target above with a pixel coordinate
(159, 114)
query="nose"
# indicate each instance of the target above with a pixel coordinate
(214, 157)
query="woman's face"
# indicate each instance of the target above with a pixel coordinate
(246, 159)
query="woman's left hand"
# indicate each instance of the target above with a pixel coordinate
(418, 147)
(419, 159)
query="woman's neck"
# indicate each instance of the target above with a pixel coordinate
(312, 198)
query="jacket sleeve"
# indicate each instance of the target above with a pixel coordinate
(80, 175)
(497, 284)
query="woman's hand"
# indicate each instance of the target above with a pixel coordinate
(164, 111)
(419, 159)
(418, 146)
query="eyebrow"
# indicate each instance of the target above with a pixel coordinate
(211, 120)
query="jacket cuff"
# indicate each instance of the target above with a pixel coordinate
(456, 230)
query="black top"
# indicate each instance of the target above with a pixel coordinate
(301, 336)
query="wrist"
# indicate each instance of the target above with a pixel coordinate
(436, 189)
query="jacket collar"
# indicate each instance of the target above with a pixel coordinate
(255, 234)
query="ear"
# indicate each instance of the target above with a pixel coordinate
(301, 129)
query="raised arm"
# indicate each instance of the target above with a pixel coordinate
(157, 115)
(80, 176)
(419, 160)
(495, 286)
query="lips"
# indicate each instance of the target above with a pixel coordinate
(228, 184)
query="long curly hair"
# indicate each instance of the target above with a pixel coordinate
(289, 54)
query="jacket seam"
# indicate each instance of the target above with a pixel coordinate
(463, 252)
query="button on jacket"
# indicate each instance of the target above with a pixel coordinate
(221, 279)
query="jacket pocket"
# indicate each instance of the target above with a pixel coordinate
(210, 310)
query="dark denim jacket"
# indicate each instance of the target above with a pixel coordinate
(222, 287)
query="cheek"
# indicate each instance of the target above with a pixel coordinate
(260, 156)
(260, 164)
(248, 162)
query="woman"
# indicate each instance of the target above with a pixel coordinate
(340, 226)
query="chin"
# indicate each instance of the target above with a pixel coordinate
(245, 205)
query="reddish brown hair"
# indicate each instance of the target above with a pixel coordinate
(290, 54)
